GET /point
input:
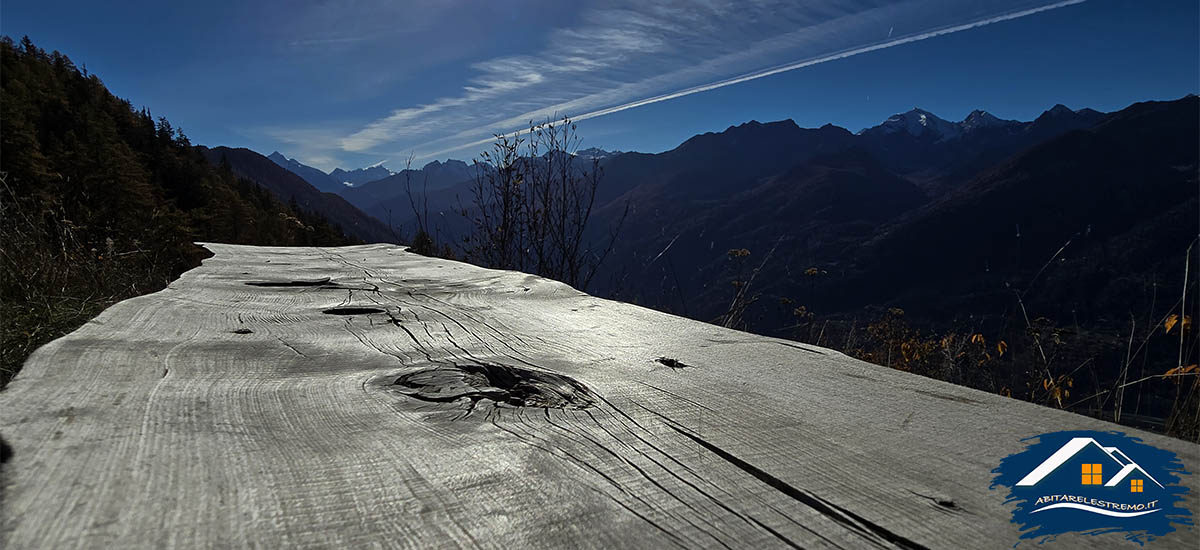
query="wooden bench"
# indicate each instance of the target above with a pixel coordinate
(366, 396)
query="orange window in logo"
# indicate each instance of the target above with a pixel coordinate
(1135, 486)
(1091, 474)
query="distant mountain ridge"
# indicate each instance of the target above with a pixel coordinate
(368, 188)
(360, 176)
(932, 153)
(919, 122)
(938, 153)
(313, 176)
(596, 153)
(375, 197)
(290, 187)
(915, 123)
(1105, 189)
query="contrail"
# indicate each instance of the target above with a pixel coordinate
(825, 58)
(797, 65)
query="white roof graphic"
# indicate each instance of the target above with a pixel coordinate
(1072, 447)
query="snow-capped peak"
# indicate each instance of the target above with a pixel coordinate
(919, 122)
(980, 119)
(595, 153)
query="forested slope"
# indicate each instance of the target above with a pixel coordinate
(100, 202)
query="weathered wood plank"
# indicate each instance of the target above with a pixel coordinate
(217, 413)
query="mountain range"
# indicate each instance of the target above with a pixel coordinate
(933, 153)
(937, 216)
(333, 182)
(390, 194)
(359, 176)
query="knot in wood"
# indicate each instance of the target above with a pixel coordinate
(515, 386)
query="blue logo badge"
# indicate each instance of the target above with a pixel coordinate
(1093, 483)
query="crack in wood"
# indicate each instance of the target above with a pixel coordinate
(837, 513)
(954, 398)
(352, 310)
(291, 347)
(324, 281)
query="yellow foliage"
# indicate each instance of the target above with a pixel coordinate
(1180, 371)
(1184, 323)
(1060, 394)
(1058, 388)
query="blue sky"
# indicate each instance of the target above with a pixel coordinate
(354, 83)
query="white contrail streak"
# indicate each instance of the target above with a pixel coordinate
(798, 65)
(825, 58)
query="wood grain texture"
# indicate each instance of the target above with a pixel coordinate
(217, 414)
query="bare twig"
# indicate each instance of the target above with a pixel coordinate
(1187, 262)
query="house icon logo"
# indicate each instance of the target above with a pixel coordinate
(1094, 483)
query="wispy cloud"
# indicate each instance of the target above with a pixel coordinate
(308, 145)
(822, 59)
(620, 56)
